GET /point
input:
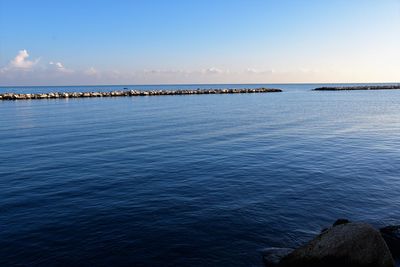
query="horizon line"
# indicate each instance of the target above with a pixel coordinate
(200, 84)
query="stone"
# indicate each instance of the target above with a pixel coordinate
(341, 221)
(345, 245)
(272, 256)
(391, 235)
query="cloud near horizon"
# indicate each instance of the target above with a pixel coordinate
(59, 67)
(21, 61)
(21, 71)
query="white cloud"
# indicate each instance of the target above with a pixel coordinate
(21, 61)
(258, 71)
(214, 70)
(91, 71)
(59, 67)
(57, 64)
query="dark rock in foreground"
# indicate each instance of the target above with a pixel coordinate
(340, 221)
(349, 88)
(345, 244)
(391, 235)
(56, 95)
(273, 256)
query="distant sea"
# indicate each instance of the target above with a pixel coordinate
(195, 180)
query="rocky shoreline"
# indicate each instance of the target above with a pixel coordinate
(350, 88)
(58, 95)
(343, 244)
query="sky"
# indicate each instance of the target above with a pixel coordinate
(87, 42)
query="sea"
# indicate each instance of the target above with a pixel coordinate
(191, 180)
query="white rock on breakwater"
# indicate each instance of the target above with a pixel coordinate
(57, 95)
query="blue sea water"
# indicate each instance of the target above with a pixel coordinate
(196, 180)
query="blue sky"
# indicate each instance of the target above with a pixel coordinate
(198, 41)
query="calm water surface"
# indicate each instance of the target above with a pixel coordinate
(201, 180)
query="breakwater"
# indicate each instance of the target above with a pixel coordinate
(366, 87)
(57, 95)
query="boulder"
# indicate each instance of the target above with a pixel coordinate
(340, 221)
(391, 235)
(345, 245)
(272, 256)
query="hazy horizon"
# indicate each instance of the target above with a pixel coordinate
(47, 43)
(191, 84)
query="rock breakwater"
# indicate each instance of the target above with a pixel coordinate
(349, 88)
(58, 95)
